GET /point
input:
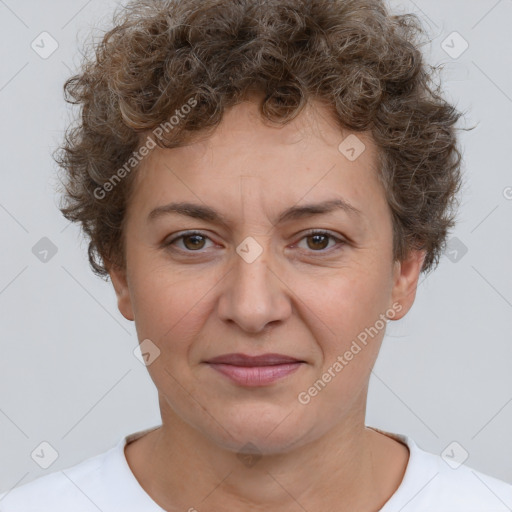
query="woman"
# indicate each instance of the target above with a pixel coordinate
(263, 182)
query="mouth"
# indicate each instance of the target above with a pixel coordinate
(255, 370)
(261, 360)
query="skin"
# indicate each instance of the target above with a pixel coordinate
(301, 297)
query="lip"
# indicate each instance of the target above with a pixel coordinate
(254, 371)
(261, 360)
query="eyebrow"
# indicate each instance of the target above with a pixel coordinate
(207, 213)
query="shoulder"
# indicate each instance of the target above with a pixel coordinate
(102, 482)
(433, 482)
(467, 487)
(74, 488)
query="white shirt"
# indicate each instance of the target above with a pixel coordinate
(106, 483)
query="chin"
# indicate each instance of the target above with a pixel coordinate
(265, 432)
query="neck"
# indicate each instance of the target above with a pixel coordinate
(347, 468)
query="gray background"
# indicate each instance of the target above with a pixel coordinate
(68, 373)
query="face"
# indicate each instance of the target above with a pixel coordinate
(310, 285)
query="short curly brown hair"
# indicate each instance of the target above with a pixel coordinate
(353, 55)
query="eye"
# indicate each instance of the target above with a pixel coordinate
(317, 241)
(192, 240)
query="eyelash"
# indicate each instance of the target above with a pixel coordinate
(306, 235)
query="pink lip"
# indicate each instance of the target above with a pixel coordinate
(255, 370)
(255, 375)
(261, 360)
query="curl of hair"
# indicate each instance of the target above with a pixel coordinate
(353, 55)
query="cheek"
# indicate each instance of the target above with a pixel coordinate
(170, 305)
(349, 330)
(349, 300)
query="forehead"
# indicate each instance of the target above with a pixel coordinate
(310, 159)
(314, 128)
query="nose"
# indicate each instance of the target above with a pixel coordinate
(254, 294)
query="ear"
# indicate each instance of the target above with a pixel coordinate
(120, 283)
(405, 281)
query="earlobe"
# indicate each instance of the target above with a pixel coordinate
(120, 283)
(405, 281)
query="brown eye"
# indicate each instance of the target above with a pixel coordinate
(193, 242)
(318, 241)
(190, 242)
